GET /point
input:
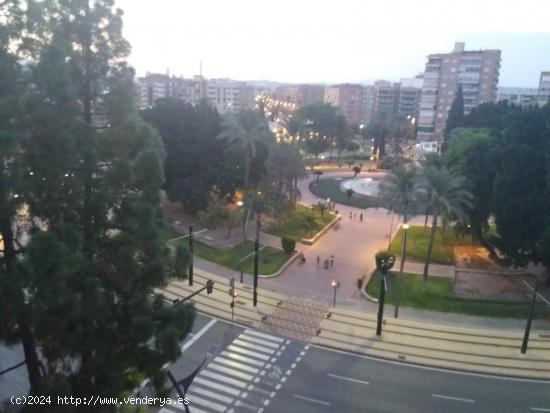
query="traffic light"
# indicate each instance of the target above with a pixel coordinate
(209, 286)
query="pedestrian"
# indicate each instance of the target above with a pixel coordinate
(326, 263)
(361, 217)
(331, 261)
(318, 261)
(350, 215)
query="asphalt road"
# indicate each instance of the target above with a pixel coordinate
(252, 371)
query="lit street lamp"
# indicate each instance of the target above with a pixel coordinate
(401, 265)
(335, 284)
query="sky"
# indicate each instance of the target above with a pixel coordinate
(332, 41)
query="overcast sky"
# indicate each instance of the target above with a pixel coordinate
(332, 41)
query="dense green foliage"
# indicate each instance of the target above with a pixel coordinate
(510, 166)
(79, 207)
(456, 113)
(288, 244)
(302, 222)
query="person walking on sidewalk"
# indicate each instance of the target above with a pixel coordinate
(331, 261)
(350, 215)
(318, 261)
(361, 217)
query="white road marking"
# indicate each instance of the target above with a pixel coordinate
(438, 369)
(198, 335)
(236, 365)
(540, 409)
(336, 376)
(258, 341)
(311, 400)
(211, 394)
(232, 372)
(217, 386)
(211, 405)
(223, 379)
(457, 399)
(247, 352)
(242, 343)
(242, 358)
(267, 336)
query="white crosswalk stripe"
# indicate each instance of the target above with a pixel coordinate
(249, 353)
(246, 344)
(221, 386)
(244, 359)
(263, 335)
(233, 363)
(258, 341)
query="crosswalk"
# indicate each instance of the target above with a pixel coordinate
(244, 376)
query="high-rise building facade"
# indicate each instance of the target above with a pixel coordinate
(348, 98)
(154, 86)
(521, 96)
(544, 88)
(300, 95)
(476, 71)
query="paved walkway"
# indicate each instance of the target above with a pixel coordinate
(483, 350)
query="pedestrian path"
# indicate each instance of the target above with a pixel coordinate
(296, 317)
(245, 376)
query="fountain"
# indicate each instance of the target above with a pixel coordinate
(361, 186)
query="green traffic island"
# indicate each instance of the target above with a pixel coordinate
(303, 222)
(330, 188)
(271, 259)
(438, 296)
(418, 238)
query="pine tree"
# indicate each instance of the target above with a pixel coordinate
(91, 172)
(456, 113)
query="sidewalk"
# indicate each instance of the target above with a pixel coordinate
(490, 351)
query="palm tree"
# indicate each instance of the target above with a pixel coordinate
(446, 197)
(248, 127)
(399, 192)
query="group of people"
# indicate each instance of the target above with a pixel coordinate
(328, 262)
(354, 215)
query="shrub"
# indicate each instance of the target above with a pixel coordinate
(288, 245)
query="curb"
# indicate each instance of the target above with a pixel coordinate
(311, 241)
(364, 288)
(424, 365)
(287, 264)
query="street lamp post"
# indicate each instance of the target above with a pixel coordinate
(401, 266)
(256, 251)
(530, 318)
(384, 262)
(335, 284)
(191, 249)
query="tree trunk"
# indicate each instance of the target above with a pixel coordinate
(430, 247)
(24, 328)
(247, 161)
(426, 217)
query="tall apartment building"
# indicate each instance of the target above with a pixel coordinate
(229, 95)
(476, 71)
(349, 99)
(155, 86)
(385, 97)
(521, 96)
(544, 88)
(300, 95)
(408, 100)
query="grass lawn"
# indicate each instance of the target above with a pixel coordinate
(295, 224)
(271, 259)
(418, 238)
(438, 297)
(330, 188)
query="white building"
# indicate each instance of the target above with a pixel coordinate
(521, 96)
(544, 88)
